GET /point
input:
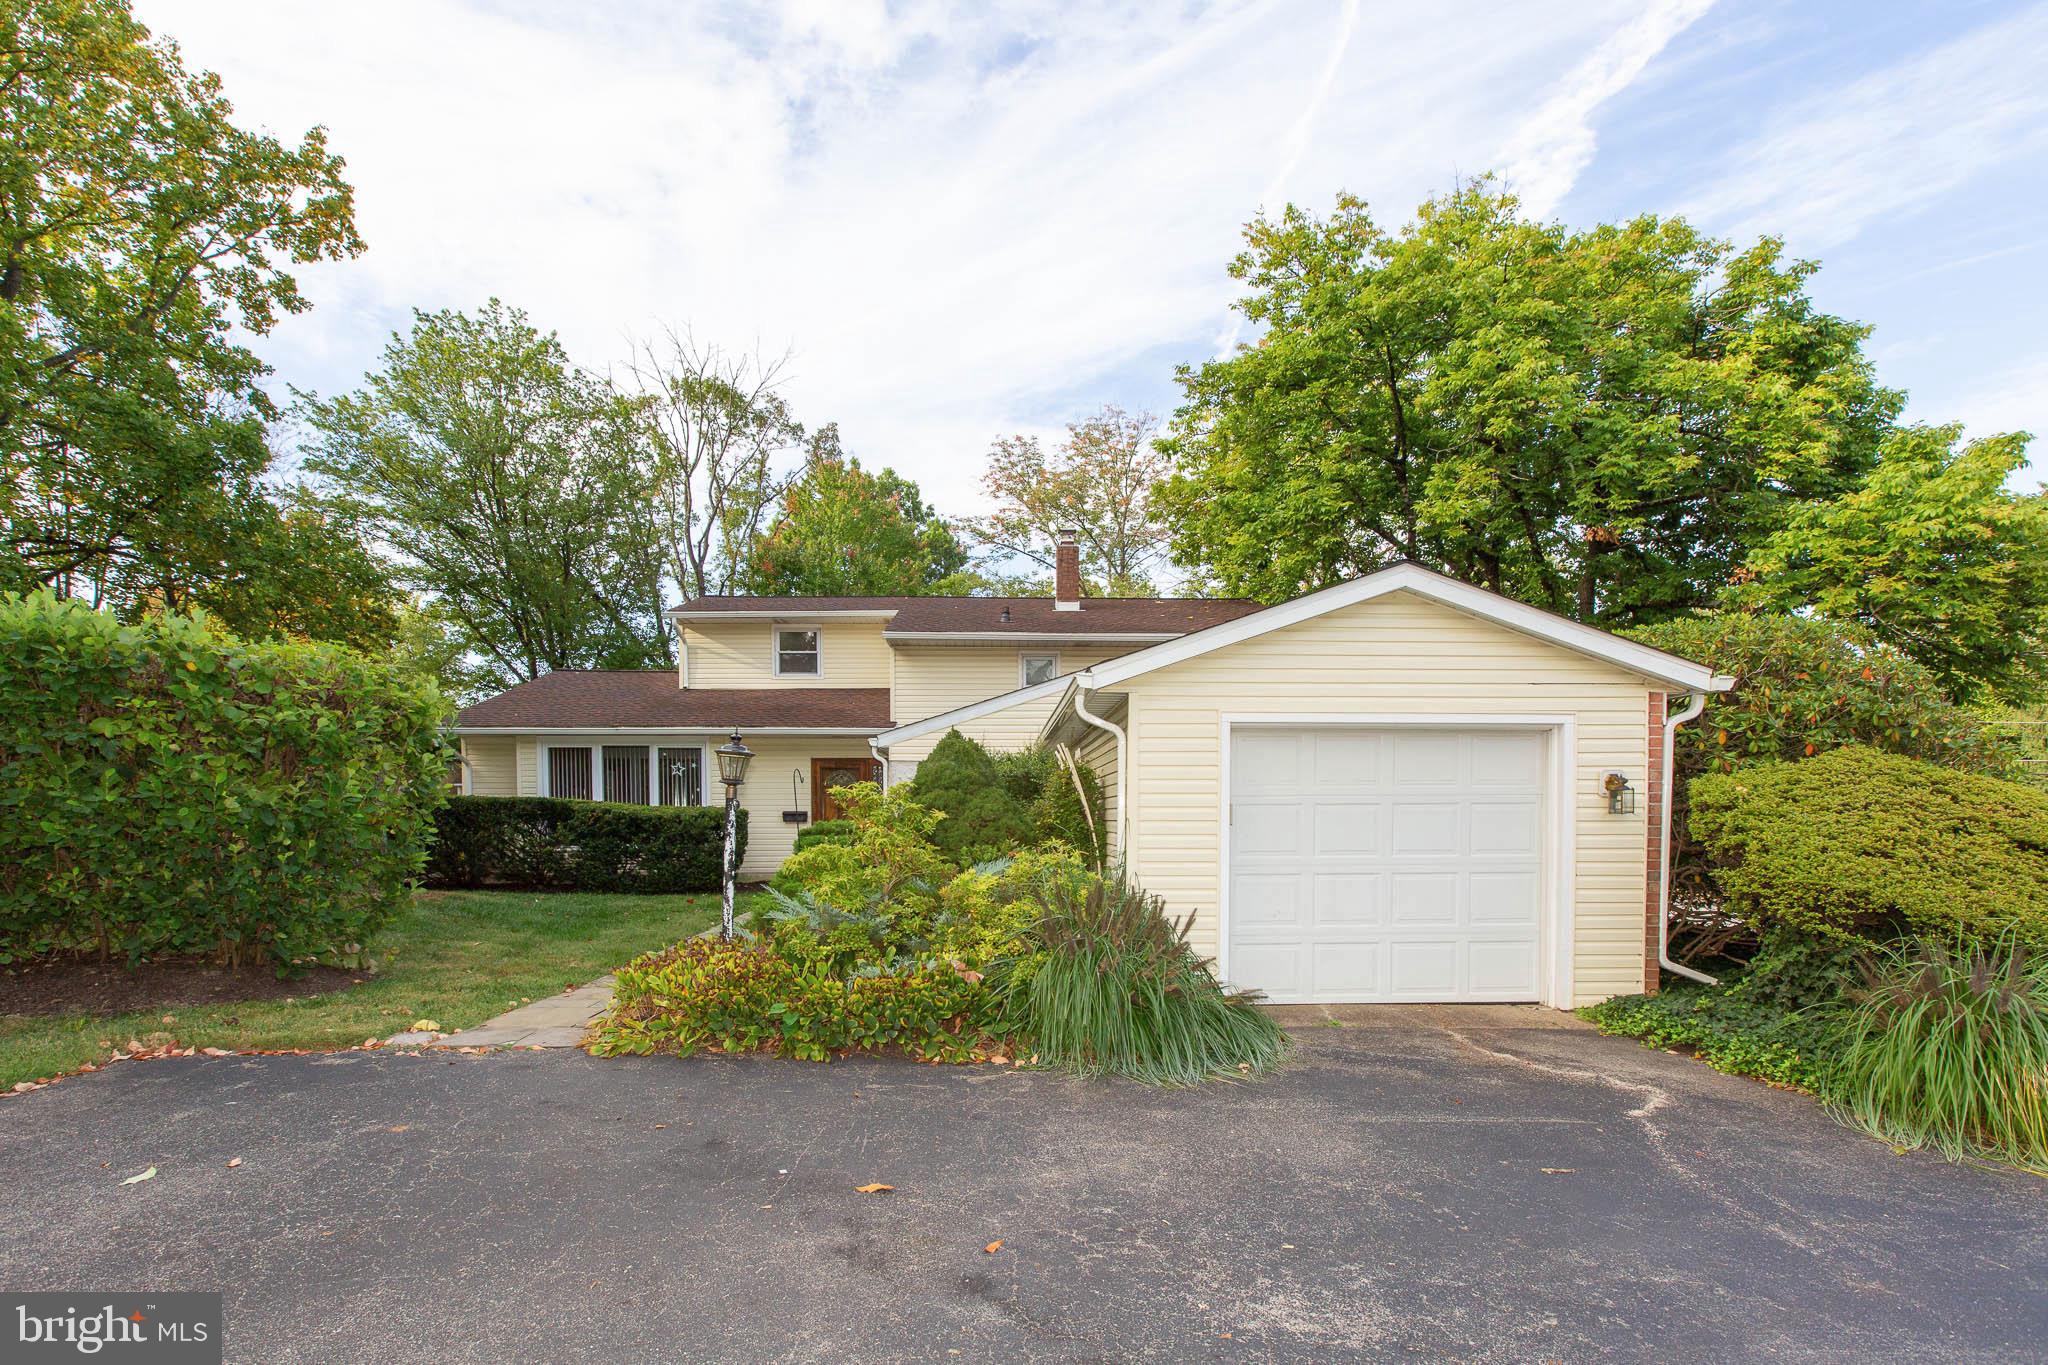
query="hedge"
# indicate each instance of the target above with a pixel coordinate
(823, 832)
(168, 789)
(1860, 846)
(541, 841)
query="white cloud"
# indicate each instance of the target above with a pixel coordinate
(950, 214)
(1547, 153)
(1891, 142)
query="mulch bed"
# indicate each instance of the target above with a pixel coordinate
(87, 986)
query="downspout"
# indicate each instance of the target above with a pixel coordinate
(1123, 768)
(1697, 704)
(881, 753)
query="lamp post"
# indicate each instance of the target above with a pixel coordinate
(733, 757)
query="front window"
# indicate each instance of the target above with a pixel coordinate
(796, 653)
(682, 777)
(1038, 668)
(625, 773)
(569, 773)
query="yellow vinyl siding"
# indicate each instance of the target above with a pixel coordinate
(931, 679)
(493, 769)
(742, 654)
(1395, 655)
(768, 792)
(1098, 751)
(529, 767)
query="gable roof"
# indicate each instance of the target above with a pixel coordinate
(648, 699)
(982, 618)
(1436, 587)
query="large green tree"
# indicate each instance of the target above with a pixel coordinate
(1099, 482)
(143, 237)
(844, 530)
(1601, 422)
(508, 485)
(1933, 554)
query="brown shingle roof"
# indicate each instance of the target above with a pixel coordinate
(1028, 615)
(649, 698)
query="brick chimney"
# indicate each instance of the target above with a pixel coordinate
(1066, 572)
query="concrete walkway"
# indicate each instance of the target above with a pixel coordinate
(558, 1021)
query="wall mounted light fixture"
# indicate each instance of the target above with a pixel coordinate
(1621, 797)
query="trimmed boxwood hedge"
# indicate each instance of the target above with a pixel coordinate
(168, 789)
(547, 842)
(1865, 847)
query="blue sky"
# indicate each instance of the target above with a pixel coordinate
(965, 220)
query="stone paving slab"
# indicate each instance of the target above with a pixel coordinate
(557, 1021)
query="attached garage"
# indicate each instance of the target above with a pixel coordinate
(1402, 788)
(1387, 863)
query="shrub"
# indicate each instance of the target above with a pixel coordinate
(1115, 988)
(166, 788)
(1862, 847)
(1948, 1047)
(1803, 687)
(823, 832)
(984, 817)
(1774, 1019)
(547, 842)
(742, 997)
(1044, 783)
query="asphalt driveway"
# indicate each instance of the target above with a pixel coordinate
(1453, 1185)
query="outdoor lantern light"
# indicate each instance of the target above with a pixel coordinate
(1621, 797)
(733, 757)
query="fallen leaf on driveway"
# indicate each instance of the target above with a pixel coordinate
(1560, 1170)
(234, 1162)
(876, 1188)
(398, 1127)
(993, 1247)
(425, 1026)
(149, 1174)
(216, 1052)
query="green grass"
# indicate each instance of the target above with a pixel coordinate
(457, 958)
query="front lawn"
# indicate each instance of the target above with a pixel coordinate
(456, 957)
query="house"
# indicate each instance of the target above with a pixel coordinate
(1403, 787)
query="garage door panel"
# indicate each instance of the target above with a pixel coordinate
(1506, 826)
(1426, 827)
(1268, 828)
(1348, 899)
(1346, 827)
(1423, 969)
(1513, 760)
(1505, 968)
(1341, 969)
(1269, 900)
(1497, 898)
(1386, 865)
(1269, 761)
(1347, 762)
(1426, 760)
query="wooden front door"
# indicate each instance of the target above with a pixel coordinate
(827, 773)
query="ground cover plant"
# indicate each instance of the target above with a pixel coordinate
(1112, 987)
(878, 939)
(454, 958)
(1947, 1047)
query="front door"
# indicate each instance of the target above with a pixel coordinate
(827, 773)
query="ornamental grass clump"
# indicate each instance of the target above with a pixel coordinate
(1115, 989)
(1948, 1047)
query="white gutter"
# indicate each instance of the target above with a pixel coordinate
(1671, 724)
(881, 753)
(1123, 768)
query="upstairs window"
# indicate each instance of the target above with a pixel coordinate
(796, 652)
(1037, 668)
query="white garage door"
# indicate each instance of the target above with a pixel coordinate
(1385, 864)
